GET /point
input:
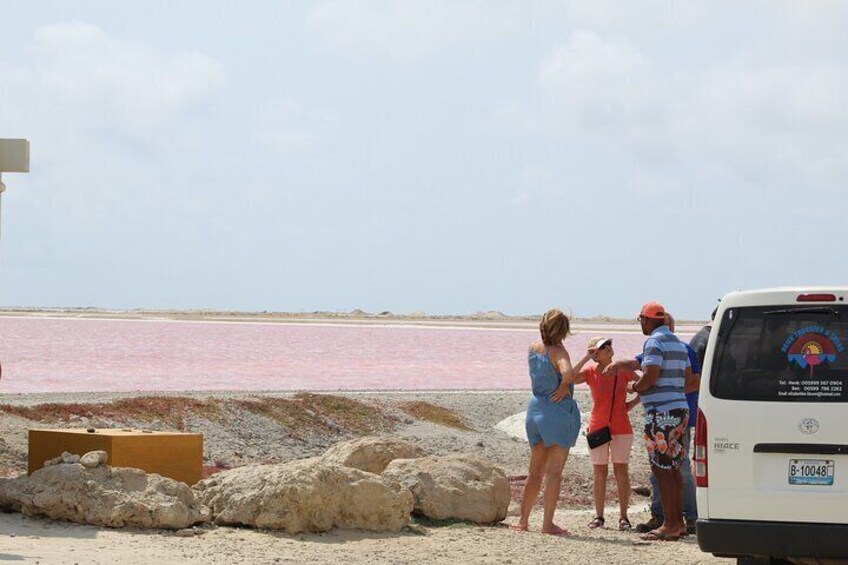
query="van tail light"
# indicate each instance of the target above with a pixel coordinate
(816, 298)
(702, 474)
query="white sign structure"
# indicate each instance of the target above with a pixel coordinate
(14, 158)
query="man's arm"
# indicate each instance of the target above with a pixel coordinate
(650, 375)
(626, 364)
(693, 371)
(693, 381)
(651, 359)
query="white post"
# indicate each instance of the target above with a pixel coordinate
(2, 190)
(14, 158)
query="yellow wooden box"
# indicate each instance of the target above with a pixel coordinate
(170, 454)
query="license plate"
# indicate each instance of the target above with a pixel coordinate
(811, 472)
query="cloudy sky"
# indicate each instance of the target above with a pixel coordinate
(445, 157)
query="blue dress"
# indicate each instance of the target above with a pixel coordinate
(547, 421)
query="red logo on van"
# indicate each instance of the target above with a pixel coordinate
(812, 346)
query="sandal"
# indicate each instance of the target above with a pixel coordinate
(598, 522)
(518, 528)
(624, 525)
(654, 535)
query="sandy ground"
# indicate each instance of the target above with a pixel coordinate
(37, 541)
(243, 438)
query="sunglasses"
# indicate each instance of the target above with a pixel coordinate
(640, 317)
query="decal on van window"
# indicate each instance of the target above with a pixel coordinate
(811, 346)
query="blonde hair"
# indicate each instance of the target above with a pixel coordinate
(554, 327)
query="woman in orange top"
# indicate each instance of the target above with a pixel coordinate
(612, 412)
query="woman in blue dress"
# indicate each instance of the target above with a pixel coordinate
(553, 418)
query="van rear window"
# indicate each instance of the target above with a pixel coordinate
(795, 353)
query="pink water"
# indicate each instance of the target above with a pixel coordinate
(74, 355)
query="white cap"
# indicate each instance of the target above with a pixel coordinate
(598, 342)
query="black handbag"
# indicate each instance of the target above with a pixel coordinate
(602, 436)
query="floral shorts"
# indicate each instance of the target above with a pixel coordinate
(664, 437)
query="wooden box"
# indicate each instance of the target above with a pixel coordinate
(170, 454)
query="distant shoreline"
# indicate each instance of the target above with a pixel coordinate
(491, 319)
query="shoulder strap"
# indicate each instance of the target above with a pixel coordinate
(612, 403)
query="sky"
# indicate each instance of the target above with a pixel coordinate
(422, 156)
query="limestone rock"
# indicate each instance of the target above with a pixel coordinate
(94, 459)
(69, 458)
(371, 454)
(103, 496)
(454, 487)
(309, 495)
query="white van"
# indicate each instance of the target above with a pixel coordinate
(771, 445)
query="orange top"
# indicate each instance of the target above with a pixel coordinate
(601, 388)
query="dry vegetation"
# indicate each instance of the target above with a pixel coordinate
(307, 412)
(303, 412)
(435, 414)
(170, 410)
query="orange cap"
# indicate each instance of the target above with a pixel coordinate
(653, 310)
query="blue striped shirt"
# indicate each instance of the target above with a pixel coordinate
(665, 350)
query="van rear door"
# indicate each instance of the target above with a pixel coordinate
(777, 417)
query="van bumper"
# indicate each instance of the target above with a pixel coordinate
(773, 539)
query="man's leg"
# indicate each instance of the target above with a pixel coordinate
(690, 506)
(656, 501)
(670, 486)
(656, 519)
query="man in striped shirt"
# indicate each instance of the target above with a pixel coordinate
(665, 369)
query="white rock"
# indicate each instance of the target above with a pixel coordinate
(103, 496)
(513, 426)
(94, 459)
(454, 487)
(371, 454)
(309, 495)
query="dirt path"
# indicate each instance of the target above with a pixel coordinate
(28, 540)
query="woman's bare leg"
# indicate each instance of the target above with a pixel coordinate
(599, 489)
(538, 463)
(553, 480)
(622, 481)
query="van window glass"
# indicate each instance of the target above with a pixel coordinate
(782, 354)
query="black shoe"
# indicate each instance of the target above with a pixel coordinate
(652, 524)
(690, 527)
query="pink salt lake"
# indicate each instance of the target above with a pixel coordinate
(83, 355)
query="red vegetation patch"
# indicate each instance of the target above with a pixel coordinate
(574, 492)
(217, 467)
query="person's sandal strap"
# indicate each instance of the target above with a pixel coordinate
(597, 522)
(624, 525)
